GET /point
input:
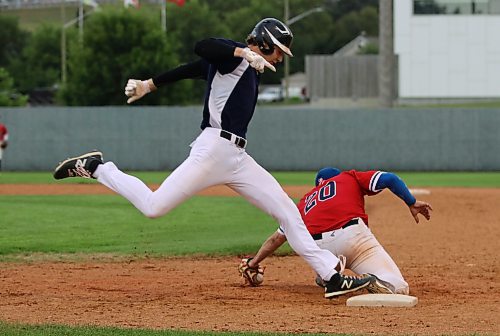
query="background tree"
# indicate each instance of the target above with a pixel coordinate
(118, 45)
(340, 8)
(187, 25)
(12, 41)
(39, 65)
(8, 95)
(352, 24)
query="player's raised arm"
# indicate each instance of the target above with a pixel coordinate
(216, 50)
(136, 89)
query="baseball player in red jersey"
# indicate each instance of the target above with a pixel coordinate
(335, 216)
(4, 137)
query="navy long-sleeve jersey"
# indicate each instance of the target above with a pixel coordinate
(232, 85)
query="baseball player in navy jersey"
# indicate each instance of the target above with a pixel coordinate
(334, 214)
(232, 71)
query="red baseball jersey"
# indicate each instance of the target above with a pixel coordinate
(336, 201)
(3, 132)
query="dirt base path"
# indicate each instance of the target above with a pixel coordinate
(97, 189)
(451, 263)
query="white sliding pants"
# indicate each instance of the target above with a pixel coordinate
(364, 254)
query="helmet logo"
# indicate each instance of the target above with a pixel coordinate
(285, 32)
(280, 45)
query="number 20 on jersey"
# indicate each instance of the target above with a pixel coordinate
(323, 194)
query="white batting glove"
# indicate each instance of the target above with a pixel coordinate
(136, 89)
(256, 61)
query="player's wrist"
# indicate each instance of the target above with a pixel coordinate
(247, 54)
(145, 86)
(249, 260)
(410, 200)
(150, 85)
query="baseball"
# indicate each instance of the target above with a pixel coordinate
(258, 279)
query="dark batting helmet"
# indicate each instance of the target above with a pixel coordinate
(325, 174)
(270, 33)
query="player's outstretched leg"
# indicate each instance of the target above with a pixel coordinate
(79, 166)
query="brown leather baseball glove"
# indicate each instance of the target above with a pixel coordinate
(253, 276)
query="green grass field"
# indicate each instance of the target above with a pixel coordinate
(18, 330)
(108, 224)
(35, 224)
(412, 179)
(76, 226)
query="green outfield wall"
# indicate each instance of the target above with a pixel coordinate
(279, 138)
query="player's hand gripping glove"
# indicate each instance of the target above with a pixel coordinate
(136, 89)
(256, 61)
(253, 276)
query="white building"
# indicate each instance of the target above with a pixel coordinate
(447, 48)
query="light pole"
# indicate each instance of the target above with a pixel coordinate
(289, 22)
(386, 54)
(287, 58)
(163, 15)
(66, 25)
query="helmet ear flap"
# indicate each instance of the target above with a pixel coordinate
(261, 40)
(266, 48)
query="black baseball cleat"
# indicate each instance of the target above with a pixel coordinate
(82, 166)
(319, 282)
(378, 286)
(340, 284)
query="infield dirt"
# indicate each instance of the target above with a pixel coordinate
(451, 263)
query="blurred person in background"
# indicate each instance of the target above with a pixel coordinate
(4, 137)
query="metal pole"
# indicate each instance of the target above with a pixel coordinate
(63, 43)
(303, 15)
(66, 25)
(287, 58)
(80, 21)
(289, 21)
(164, 15)
(386, 54)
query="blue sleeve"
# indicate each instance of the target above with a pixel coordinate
(397, 186)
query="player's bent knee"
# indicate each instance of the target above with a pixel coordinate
(152, 215)
(153, 212)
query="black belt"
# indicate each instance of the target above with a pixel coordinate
(238, 141)
(318, 236)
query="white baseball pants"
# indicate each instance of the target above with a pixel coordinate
(364, 254)
(214, 160)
